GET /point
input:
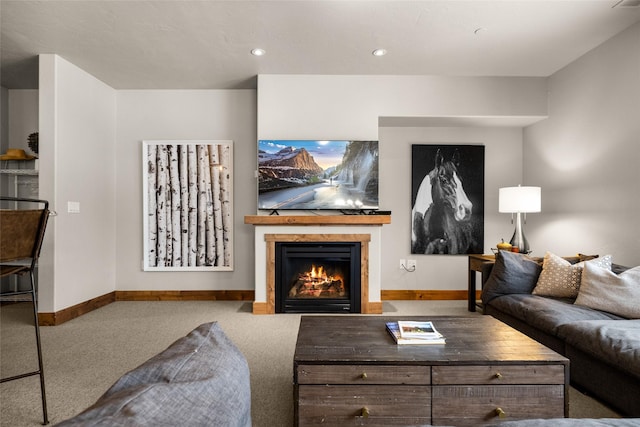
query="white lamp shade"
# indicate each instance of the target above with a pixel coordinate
(519, 199)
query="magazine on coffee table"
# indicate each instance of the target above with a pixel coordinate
(394, 329)
(414, 329)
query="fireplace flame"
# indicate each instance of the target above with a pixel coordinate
(317, 283)
(318, 272)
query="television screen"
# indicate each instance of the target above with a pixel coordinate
(340, 175)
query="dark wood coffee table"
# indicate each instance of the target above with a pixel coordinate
(347, 370)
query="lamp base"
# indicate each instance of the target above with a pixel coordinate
(519, 240)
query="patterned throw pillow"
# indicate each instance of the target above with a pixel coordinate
(614, 293)
(561, 279)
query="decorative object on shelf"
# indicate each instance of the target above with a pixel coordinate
(447, 199)
(16, 154)
(187, 205)
(33, 142)
(504, 246)
(520, 201)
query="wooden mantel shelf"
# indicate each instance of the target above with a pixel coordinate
(317, 219)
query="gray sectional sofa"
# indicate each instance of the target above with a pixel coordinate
(603, 347)
(569, 422)
(200, 380)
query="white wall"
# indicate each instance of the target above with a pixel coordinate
(77, 163)
(184, 115)
(586, 156)
(85, 127)
(503, 168)
(349, 107)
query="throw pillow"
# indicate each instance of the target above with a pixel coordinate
(561, 279)
(605, 290)
(513, 273)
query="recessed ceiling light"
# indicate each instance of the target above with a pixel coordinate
(379, 52)
(258, 52)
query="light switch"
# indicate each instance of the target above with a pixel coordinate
(73, 207)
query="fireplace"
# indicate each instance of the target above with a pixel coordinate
(317, 277)
(272, 229)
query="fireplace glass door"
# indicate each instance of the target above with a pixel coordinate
(317, 277)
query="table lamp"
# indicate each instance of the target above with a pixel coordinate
(519, 200)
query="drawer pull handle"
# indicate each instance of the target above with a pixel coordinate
(364, 412)
(500, 413)
(363, 376)
(498, 375)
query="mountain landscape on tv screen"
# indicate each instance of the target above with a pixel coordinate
(317, 174)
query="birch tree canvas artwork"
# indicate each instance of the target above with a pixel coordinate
(188, 217)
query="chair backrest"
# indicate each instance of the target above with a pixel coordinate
(22, 230)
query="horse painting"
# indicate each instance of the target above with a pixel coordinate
(442, 211)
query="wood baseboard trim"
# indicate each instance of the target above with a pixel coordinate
(260, 308)
(69, 313)
(62, 316)
(185, 295)
(373, 307)
(411, 295)
(59, 317)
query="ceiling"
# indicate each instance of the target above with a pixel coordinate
(185, 44)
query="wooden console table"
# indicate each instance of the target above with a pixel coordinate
(347, 371)
(475, 264)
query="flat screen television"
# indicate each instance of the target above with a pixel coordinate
(305, 174)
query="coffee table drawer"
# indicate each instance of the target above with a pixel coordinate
(479, 405)
(375, 405)
(500, 374)
(363, 374)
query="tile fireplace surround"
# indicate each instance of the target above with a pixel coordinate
(366, 229)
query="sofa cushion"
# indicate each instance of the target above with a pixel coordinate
(561, 279)
(616, 341)
(545, 313)
(602, 289)
(200, 380)
(513, 273)
(573, 422)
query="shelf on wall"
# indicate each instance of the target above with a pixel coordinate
(19, 171)
(317, 219)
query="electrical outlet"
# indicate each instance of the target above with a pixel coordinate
(411, 264)
(403, 264)
(73, 207)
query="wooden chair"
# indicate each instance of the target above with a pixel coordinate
(21, 234)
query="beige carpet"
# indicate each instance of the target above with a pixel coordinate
(85, 356)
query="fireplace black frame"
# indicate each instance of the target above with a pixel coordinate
(319, 250)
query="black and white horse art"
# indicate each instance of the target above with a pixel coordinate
(442, 212)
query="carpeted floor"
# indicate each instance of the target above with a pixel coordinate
(85, 356)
